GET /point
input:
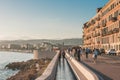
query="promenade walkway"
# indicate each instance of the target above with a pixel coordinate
(107, 67)
(64, 71)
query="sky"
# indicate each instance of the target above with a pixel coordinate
(45, 19)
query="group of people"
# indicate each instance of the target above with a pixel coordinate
(62, 54)
(95, 53)
(77, 53)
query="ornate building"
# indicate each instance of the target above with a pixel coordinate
(103, 30)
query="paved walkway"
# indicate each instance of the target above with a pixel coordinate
(107, 67)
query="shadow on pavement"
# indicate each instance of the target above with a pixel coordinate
(99, 74)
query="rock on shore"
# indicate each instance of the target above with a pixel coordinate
(28, 69)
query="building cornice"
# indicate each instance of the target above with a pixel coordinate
(106, 5)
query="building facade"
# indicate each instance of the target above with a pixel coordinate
(103, 30)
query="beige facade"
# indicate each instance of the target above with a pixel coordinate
(103, 30)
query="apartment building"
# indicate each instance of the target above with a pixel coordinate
(103, 30)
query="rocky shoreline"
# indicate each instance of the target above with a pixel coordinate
(28, 70)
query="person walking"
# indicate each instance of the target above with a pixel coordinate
(95, 53)
(60, 54)
(87, 52)
(63, 54)
(73, 52)
(79, 53)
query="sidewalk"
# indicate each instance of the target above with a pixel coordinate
(106, 67)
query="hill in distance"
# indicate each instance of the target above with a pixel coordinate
(72, 41)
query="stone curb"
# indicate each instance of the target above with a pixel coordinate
(50, 71)
(83, 69)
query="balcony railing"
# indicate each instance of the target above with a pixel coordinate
(93, 29)
(93, 22)
(113, 19)
(98, 34)
(98, 42)
(85, 25)
(115, 30)
(104, 34)
(104, 24)
(89, 24)
(110, 32)
(83, 35)
(98, 18)
(98, 26)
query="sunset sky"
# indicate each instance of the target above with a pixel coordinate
(45, 19)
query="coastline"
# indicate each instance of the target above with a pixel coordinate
(44, 55)
(19, 51)
(28, 70)
(7, 57)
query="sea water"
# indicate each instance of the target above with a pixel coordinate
(8, 57)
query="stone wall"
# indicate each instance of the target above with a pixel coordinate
(50, 72)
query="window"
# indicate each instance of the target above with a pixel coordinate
(116, 47)
(116, 14)
(110, 17)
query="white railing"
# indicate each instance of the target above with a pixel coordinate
(83, 69)
(50, 71)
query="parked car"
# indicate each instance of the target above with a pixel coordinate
(111, 52)
(102, 51)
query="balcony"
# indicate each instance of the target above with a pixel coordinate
(115, 30)
(88, 37)
(83, 36)
(95, 35)
(98, 34)
(93, 29)
(104, 33)
(93, 22)
(110, 32)
(104, 24)
(98, 26)
(89, 24)
(113, 19)
(98, 42)
(98, 18)
(85, 25)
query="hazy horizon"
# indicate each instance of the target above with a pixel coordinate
(38, 39)
(45, 19)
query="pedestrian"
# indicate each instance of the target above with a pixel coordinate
(69, 50)
(73, 53)
(87, 52)
(95, 53)
(79, 53)
(63, 54)
(59, 54)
